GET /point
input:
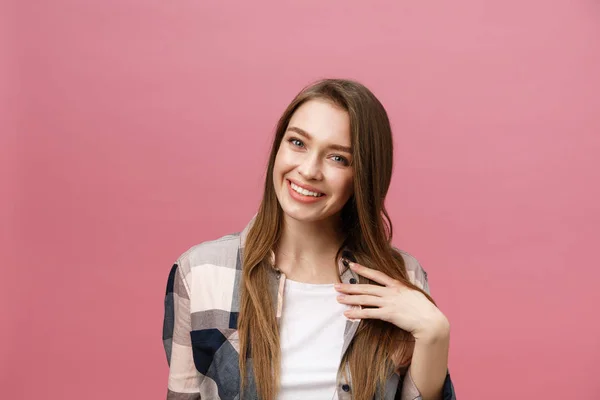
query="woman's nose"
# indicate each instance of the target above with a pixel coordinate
(311, 168)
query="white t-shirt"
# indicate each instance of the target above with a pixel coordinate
(312, 335)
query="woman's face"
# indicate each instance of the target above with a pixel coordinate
(313, 176)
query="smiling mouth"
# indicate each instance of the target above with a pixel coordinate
(304, 192)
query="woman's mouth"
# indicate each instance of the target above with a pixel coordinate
(304, 192)
(303, 195)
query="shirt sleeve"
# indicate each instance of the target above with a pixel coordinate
(407, 389)
(184, 379)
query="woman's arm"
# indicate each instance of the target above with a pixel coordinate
(429, 365)
(183, 375)
(411, 310)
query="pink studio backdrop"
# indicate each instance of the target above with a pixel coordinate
(132, 130)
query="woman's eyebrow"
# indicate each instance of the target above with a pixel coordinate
(307, 135)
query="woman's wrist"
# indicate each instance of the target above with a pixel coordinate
(435, 330)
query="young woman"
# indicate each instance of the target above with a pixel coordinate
(310, 300)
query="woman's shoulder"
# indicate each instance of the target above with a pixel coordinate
(416, 273)
(220, 253)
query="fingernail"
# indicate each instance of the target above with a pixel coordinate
(341, 297)
(337, 285)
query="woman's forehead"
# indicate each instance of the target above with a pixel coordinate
(322, 120)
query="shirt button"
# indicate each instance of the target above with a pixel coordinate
(345, 387)
(352, 280)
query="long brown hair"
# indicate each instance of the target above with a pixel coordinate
(378, 346)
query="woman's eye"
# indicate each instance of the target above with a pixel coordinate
(296, 142)
(340, 159)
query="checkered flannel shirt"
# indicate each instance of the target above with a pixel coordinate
(200, 334)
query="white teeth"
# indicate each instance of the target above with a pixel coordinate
(304, 191)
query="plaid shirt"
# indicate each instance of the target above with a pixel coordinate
(200, 334)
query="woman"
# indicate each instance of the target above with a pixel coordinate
(310, 300)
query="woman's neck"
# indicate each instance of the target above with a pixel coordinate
(306, 251)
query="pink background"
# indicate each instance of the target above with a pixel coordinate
(132, 130)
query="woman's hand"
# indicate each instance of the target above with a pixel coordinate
(395, 303)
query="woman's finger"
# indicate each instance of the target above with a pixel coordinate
(349, 288)
(365, 313)
(372, 274)
(361, 300)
